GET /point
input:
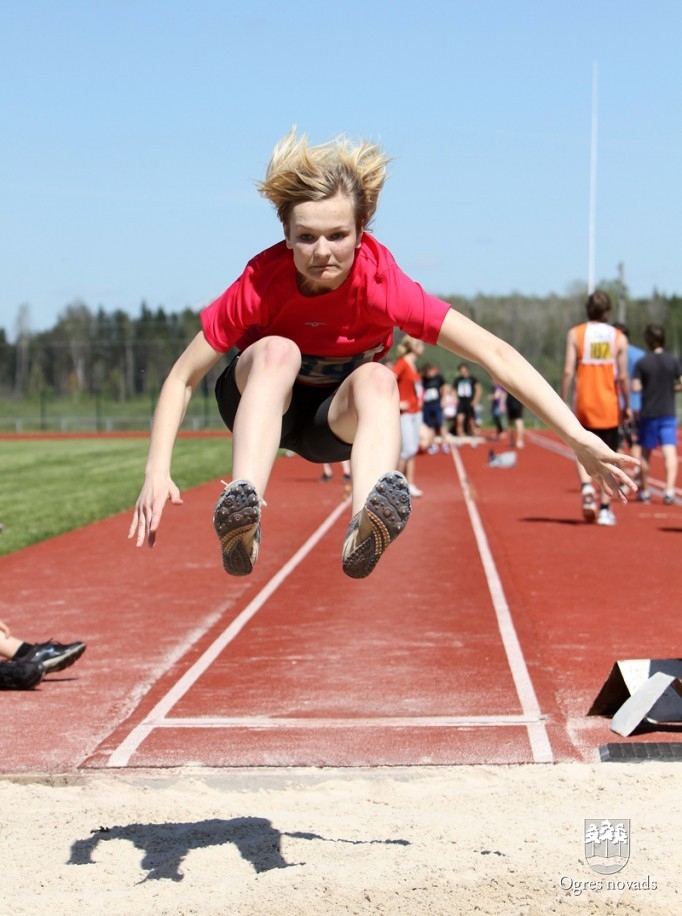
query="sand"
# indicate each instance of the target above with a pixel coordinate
(427, 840)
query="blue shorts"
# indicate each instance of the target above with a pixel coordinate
(432, 414)
(655, 431)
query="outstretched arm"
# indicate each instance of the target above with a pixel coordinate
(175, 395)
(464, 337)
(570, 364)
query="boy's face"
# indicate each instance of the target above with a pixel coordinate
(323, 239)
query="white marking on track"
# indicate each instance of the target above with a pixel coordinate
(120, 757)
(310, 722)
(537, 732)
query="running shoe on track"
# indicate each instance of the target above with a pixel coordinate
(606, 517)
(589, 498)
(20, 675)
(54, 656)
(236, 520)
(380, 521)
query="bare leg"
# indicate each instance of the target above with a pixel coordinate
(583, 476)
(365, 411)
(518, 436)
(8, 645)
(644, 469)
(670, 459)
(406, 467)
(265, 375)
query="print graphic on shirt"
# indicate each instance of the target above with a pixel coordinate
(599, 344)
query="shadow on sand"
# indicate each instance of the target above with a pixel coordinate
(166, 845)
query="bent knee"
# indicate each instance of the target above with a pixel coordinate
(272, 353)
(378, 379)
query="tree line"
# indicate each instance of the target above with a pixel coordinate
(119, 357)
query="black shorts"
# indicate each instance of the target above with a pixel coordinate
(305, 427)
(609, 436)
(432, 415)
(514, 409)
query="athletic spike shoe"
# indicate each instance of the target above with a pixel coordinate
(53, 655)
(380, 521)
(236, 520)
(20, 675)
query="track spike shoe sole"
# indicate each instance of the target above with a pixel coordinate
(379, 522)
(236, 520)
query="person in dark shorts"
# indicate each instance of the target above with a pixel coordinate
(468, 392)
(311, 319)
(515, 423)
(433, 417)
(596, 359)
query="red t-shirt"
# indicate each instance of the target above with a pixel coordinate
(409, 386)
(336, 331)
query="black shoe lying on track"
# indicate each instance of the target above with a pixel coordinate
(53, 655)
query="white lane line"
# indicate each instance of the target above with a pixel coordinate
(537, 732)
(120, 757)
(551, 445)
(311, 723)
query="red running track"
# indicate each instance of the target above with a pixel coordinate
(483, 636)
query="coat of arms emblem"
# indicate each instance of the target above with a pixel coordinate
(607, 845)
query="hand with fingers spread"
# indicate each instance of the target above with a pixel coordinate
(158, 488)
(149, 508)
(607, 467)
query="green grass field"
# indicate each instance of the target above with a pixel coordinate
(85, 413)
(51, 486)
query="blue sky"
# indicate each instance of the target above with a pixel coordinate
(133, 132)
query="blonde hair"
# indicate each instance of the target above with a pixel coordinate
(407, 345)
(298, 172)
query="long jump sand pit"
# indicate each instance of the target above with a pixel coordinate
(433, 840)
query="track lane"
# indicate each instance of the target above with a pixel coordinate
(583, 596)
(336, 672)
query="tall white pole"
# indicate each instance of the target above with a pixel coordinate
(593, 187)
